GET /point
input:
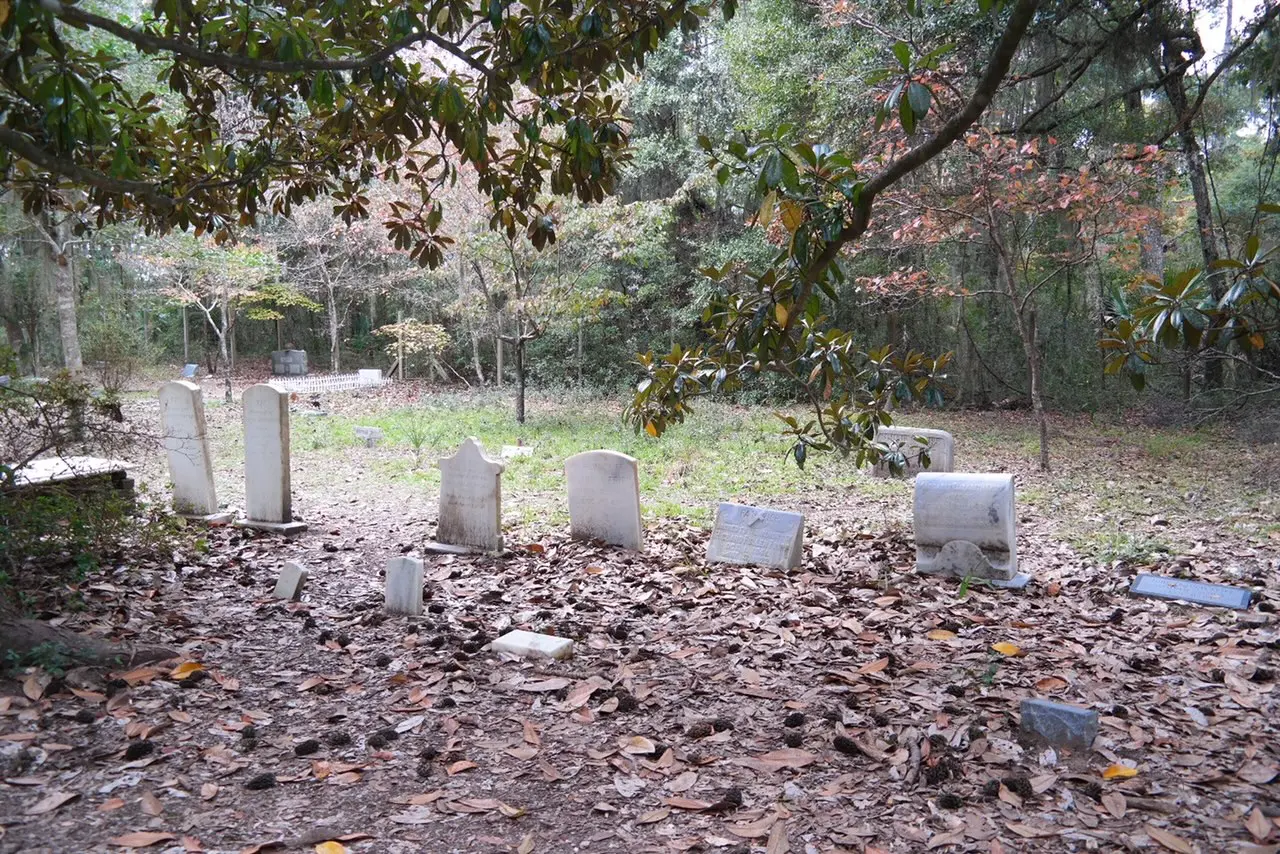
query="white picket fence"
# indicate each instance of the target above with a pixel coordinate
(367, 378)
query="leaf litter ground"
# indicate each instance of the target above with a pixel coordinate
(847, 706)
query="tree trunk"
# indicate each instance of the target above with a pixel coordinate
(1029, 345)
(64, 293)
(186, 337)
(519, 348)
(579, 353)
(334, 344)
(497, 345)
(475, 356)
(223, 333)
(19, 637)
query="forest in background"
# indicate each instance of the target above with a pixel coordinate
(1089, 180)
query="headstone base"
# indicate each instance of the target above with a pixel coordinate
(213, 519)
(284, 529)
(1018, 582)
(432, 547)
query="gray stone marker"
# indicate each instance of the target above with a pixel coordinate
(1199, 592)
(756, 536)
(292, 579)
(404, 586)
(186, 444)
(1059, 724)
(189, 371)
(268, 497)
(289, 363)
(604, 498)
(370, 435)
(965, 525)
(940, 447)
(471, 499)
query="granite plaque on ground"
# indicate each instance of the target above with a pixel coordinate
(604, 498)
(1199, 592)
(756, 536)
(964, 525)
(471, 499)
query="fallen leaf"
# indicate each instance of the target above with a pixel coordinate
(1028, 831)
(940, 634)
(185, 669)
(686, 803)
(1115, 804)
(110, 804)
(1169, 840)
(35, 684)
(460, 766)
(151, 804)
(757, 829)
(637, 744)
(653, 816)
(142, 839)
(1259, 773)
(1049, 684)
(331, 847)
(526, 845)
(209, 791)
(777, 760)
(553, 684)
(1006, 648)
(51, 802)
(1119, 772)
(1258, 825)
(778, 843)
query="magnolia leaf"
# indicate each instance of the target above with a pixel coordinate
(940, 635)
(1119, 772)
(1006, 648)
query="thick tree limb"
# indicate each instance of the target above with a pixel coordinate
(19, 144)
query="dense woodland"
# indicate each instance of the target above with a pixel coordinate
(1122, 153)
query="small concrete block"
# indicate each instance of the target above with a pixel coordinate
(512, 451)
(189, 371)
(1018, 582)
(533, 645)
(1221, 595)
(292, 579)
(404, 586)
(1059, 724)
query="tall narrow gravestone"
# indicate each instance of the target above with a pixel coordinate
(186, 444)
(268, 500)
(965, 526)
(604, 498)
(471, 499)
(756, 536)
(905, 448)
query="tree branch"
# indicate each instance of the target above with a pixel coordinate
(22, 146)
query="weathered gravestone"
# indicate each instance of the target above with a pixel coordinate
(1199, 592)
(186, 444)
(404, 586)
(291, 581)
(268, 497)
(756, 536)
(369, 376)
(965, 526)
(533, 645)
(905, 451)
(1058, 724)
(289, 363)
(189, 371)
(370, 435)
(471, 499)
(604, 498)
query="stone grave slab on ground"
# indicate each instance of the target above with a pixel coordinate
(186, 445)
(604, 498)
(756, 536)
(75, 473)
(1059, 724)
(471, 499)
(1199, 592)
(533, 645)
(404, 586)
(268, 496)
(291, 581)
(510, 452)
(965, 525)
(940, 447)
(370, 435)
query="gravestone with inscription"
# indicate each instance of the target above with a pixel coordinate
(756, 536)
(471, 499)
(905, 450)
(604, 498)
(1199, 592)
(404, 586)
(965, 525)
(186, 444)
(268, 497)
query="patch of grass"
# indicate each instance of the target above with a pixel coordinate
(1170, 444)
(1108, 546)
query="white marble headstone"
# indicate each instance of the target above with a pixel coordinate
(186, 444)
(756, 536)
(267, 490)
(404, 586)
(966, 524)
(471, 499)
(604, 498)
(291, 581)
(902, 440)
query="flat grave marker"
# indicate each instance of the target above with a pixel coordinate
(533, 645)
(604, 498)
(1199, 592)
(756, 536)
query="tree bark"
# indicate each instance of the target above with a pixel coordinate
(519, 348)
(64, 294)
(20, 636)
(497, 346)
(332, 307)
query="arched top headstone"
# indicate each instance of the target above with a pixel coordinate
(604, 498)
(471, 499)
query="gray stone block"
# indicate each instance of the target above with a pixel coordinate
(1199, 592)
(1059, 724)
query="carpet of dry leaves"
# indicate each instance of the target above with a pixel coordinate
(847, 706)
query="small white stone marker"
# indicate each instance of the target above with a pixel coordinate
(902, 440)
(604, 498)
(268, 496)
(965, 525)
(292, 579)
(471, 499)
(370, 435)
(756, 536)
(532, 645)
(186, 445)
(404, 586)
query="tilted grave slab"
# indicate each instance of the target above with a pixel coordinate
(186, 446)
(756, 536)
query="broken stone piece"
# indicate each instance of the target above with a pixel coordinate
(1059, 724)
(533, 645)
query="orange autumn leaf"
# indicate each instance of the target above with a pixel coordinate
(1119, 772)
(185, 669)
(940, 634)
(331, 847)
(1006, 648)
